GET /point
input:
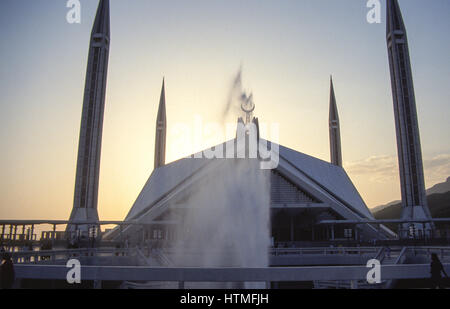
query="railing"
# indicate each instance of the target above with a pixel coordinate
(354, 284)
(18, 237)
(386, 255)
(181, 275)
(379, 253)
(399, 260)
(155, 256)
(360, 284)
(394, 256)
(26, 257)
(442, 252)
(164, 260)
(375, 252)
(401, 257)
(324, 251)
(29, 266)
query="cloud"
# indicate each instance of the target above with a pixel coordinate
(384, 169)
(437, 169)
(377, 168)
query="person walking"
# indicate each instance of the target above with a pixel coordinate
(436, 272)
(7, 275)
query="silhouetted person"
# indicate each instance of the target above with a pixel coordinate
(7, 275)
(436, 271)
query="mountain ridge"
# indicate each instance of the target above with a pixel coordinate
(439, 188)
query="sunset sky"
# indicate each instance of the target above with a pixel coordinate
(287, 50)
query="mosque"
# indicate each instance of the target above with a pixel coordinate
(302, 201)
(302, 190)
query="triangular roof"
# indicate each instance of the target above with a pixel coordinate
(331, 178)
(162, 181)
(309, 173)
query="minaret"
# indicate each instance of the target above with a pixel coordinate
(414, 197)
(161, 128)
(89, 148)
(335, 131)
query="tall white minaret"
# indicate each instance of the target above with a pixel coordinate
(335, 131)
(414, 197)
(90, 142)
(161, 128)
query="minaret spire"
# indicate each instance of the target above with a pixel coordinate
(102, 20)
(414, 197)
(90, 142)
(161, 128)
(335, 131)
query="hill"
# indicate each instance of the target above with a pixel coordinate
(394, 208)
(380, 208)
(439, 205)
(440, 188)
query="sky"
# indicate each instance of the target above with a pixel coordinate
(287, 49)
